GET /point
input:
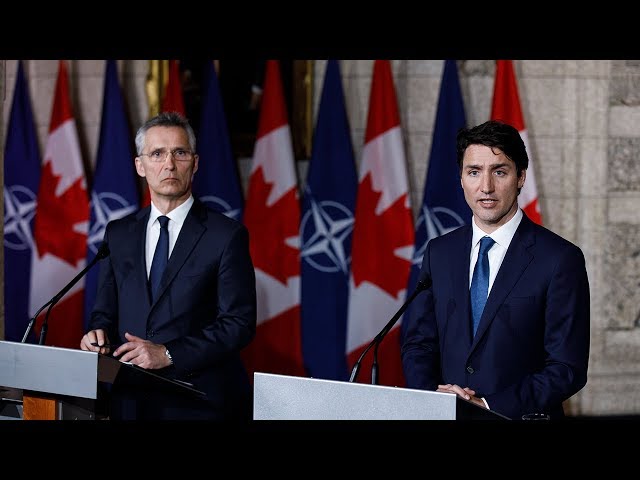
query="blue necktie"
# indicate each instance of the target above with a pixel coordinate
(480, 281)
(160, 257)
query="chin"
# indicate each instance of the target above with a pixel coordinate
(494, 220)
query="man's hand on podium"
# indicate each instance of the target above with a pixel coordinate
(143, 353)
(96, 341)
(466, 393)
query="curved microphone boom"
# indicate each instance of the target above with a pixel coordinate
(103, 252)
(424, 282)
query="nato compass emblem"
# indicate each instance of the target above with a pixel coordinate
(431, 224)
(324, 230)
(19, 209)
(106, 206)
(219, 205)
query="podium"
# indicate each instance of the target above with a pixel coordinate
(283, 397)
(62, 383)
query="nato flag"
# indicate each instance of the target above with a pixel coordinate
(115, 192)
(325, 234)
(216, 182)
(443, 206)
(21, 181)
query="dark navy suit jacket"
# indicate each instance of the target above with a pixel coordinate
(531, 349)
(205, 312)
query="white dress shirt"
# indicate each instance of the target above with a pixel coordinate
(176, 220)
(502, 236)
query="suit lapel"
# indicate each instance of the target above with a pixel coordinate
(513, 266)
(139, 232)
(460, 272)
(190, 233)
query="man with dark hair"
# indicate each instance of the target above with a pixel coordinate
(505, 323)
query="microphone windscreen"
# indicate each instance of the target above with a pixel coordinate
(103, 251)
(424, 280)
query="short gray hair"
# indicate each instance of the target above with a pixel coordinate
(165, 119)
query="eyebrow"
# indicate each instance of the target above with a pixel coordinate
(167, 148)
(491, 167)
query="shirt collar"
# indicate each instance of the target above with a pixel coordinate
(502, 235)
(177, 215)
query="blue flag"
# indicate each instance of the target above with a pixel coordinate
(443, 206)
(217, 182)
(115, 191)
(21, 181)
(325, 233)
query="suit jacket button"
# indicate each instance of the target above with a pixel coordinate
(150, 333)
(470, 369)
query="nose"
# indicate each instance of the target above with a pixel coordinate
(171, 161)
(487, 183)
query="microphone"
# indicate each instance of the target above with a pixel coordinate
(424, 282)
(103, 252)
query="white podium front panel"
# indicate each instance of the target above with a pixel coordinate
(283, 397)
(42, 368)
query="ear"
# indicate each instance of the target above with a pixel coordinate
(196, 159)
(522, 178)
(140, 167)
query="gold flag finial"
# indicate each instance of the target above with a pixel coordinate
(155, 85)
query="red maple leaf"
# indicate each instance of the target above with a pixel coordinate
(270, 226)
(375, 237)
(56, 217)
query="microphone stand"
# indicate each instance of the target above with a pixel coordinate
(45, 326)
(32, 321)
(423, 283)
(103, 252)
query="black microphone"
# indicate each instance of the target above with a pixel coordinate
(424, 282)
(103, 252)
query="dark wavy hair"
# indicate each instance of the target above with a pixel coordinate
(497, 135)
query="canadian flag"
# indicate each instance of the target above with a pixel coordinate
(506, 107)
(60, 225)
(172, 101)
(272, 215)
(383, 234)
